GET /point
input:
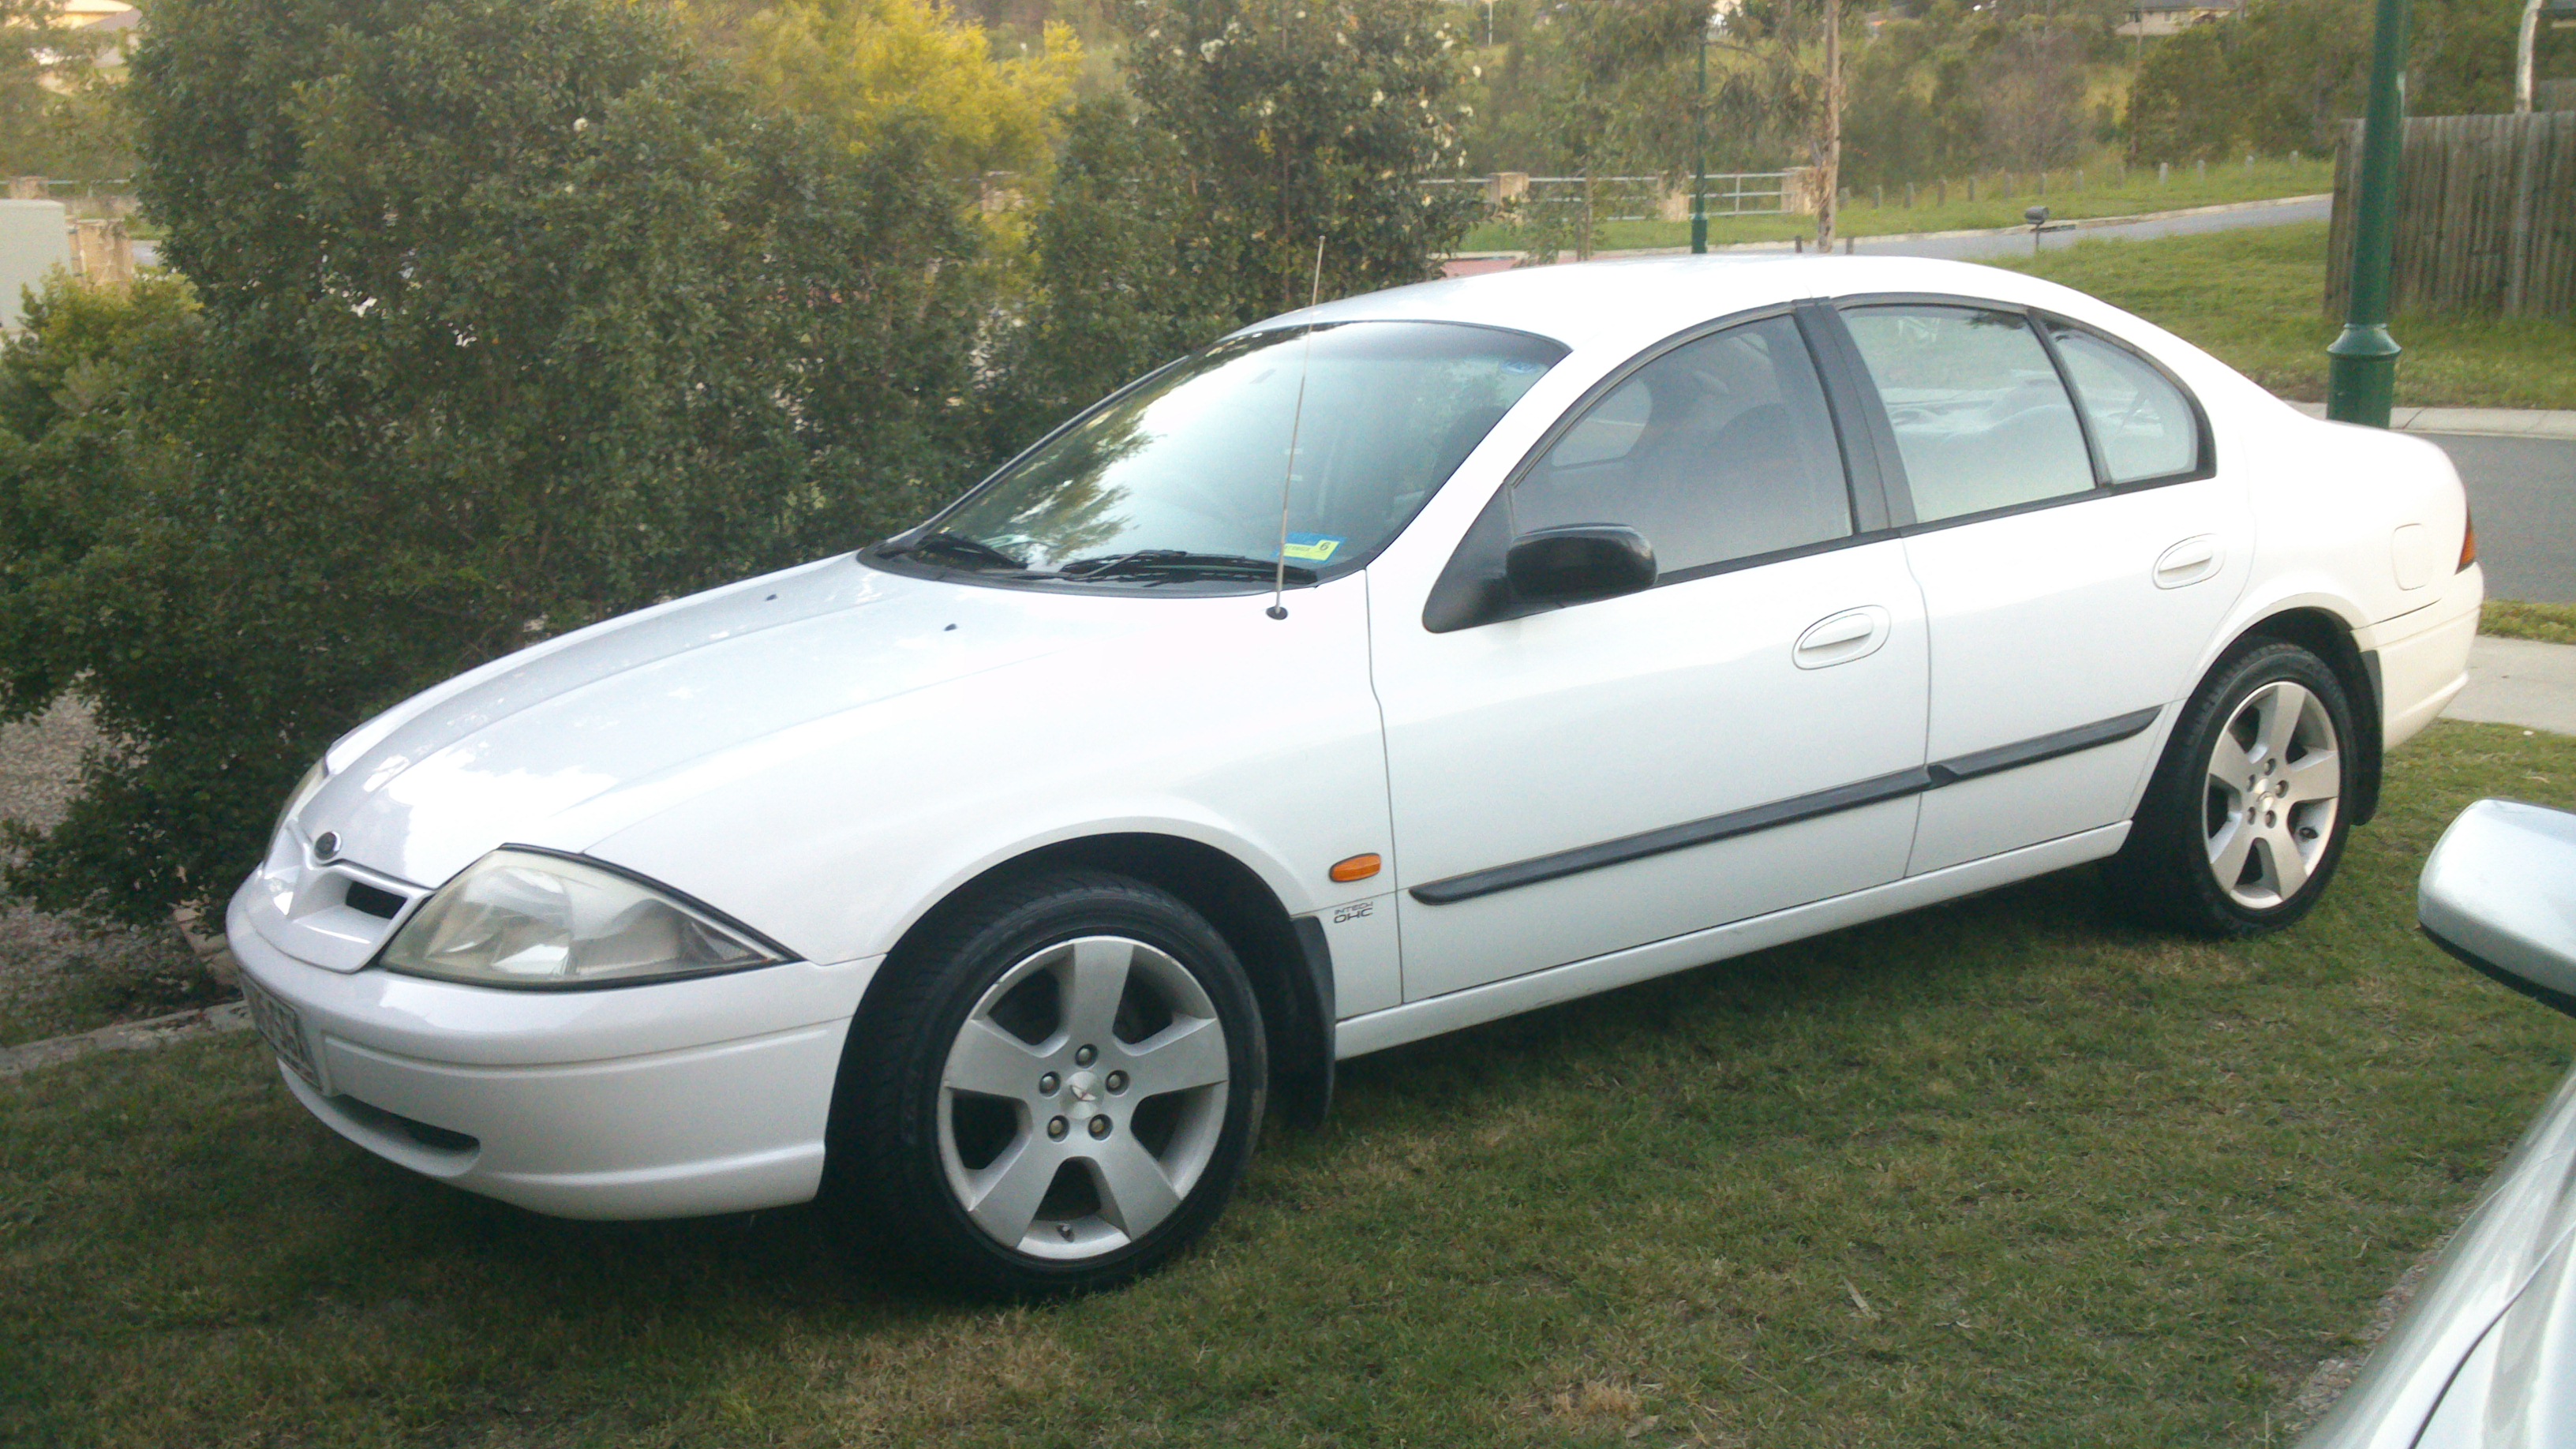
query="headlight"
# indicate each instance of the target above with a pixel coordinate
(520, 918)
(304, 789)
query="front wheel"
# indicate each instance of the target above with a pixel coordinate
(1059, 1092)
(2245, 819)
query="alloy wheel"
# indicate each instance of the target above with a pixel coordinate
(1083, 1098)
(2274, 785)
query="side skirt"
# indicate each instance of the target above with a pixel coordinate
(1434, 1016)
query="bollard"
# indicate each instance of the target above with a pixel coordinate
(1797, 244)
(1878, 196)
(2200, 169)
(2079, 178)
(2164, 172)
(2043, 181)
(1847, 246)
(1909, 196)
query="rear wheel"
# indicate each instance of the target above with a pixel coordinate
(1060, 1092)
(2245, 819)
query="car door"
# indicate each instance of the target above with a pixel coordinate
(2076, 546)
(1739, 738)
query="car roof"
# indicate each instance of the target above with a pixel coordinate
(1629, 301)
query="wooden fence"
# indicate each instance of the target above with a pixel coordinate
(2486, 216)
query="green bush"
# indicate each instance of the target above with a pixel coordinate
(510, 315)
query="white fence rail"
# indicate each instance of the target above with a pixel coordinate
(1637, 198)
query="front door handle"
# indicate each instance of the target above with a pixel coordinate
(1841, 638)
(2189, 561)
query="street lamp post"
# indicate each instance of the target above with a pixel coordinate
(1699, 149)
(2361, 367)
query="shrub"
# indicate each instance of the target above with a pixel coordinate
(510, 315)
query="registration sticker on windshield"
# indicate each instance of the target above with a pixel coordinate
(1312, 547)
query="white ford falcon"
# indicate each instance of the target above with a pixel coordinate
(1385, 668)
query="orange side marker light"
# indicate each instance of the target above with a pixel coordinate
(1358, 867)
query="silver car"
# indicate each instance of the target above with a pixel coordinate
(2486, 1356)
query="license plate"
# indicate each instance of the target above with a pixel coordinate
(281, 1029)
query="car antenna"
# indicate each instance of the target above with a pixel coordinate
(1296, 419)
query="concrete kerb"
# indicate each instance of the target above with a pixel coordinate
(132, 1036)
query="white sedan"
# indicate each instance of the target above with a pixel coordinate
(1383, 669)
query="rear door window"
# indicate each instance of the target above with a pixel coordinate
(1981, 417)
(2141, 420)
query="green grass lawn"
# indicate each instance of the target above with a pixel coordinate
(2001, 1172)
(2254, 297)
(2103, 195)
(2548, 623)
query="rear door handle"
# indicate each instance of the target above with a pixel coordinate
(2189, 561)
(1841, 638)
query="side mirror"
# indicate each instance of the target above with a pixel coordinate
(2499, 892)
(1579, 564)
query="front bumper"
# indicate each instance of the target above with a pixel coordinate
(700, 1096)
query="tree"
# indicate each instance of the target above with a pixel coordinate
(2286, 73)
(1290, 127)
(865, 66)
(512, 315)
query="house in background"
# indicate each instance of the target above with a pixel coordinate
(2149, 18)
(106, 33)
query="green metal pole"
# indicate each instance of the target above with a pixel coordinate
(1699, 153)
(2361, 367)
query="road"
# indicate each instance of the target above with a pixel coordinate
(2522, 492)
(1979, 245)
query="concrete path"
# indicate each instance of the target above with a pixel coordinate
(2558, 425)
(2519, 682)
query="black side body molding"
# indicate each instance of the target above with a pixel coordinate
(1783, 812)
(2046, 747)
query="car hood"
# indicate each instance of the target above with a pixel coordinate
(508, 753)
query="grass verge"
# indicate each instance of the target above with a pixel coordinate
(2548, 623)
(1996, 1172)
(2137, 193)
(2252, 296)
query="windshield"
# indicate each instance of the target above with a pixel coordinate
(1184, 473)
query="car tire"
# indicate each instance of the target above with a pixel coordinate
(2246, 816)
(1057, 1090)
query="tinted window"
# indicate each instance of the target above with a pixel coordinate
(1381, 413)
(2141, 420)
(1981, 418)
(1715, 451)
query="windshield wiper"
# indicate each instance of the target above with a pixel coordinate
(955, 545)
(1181, 563)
